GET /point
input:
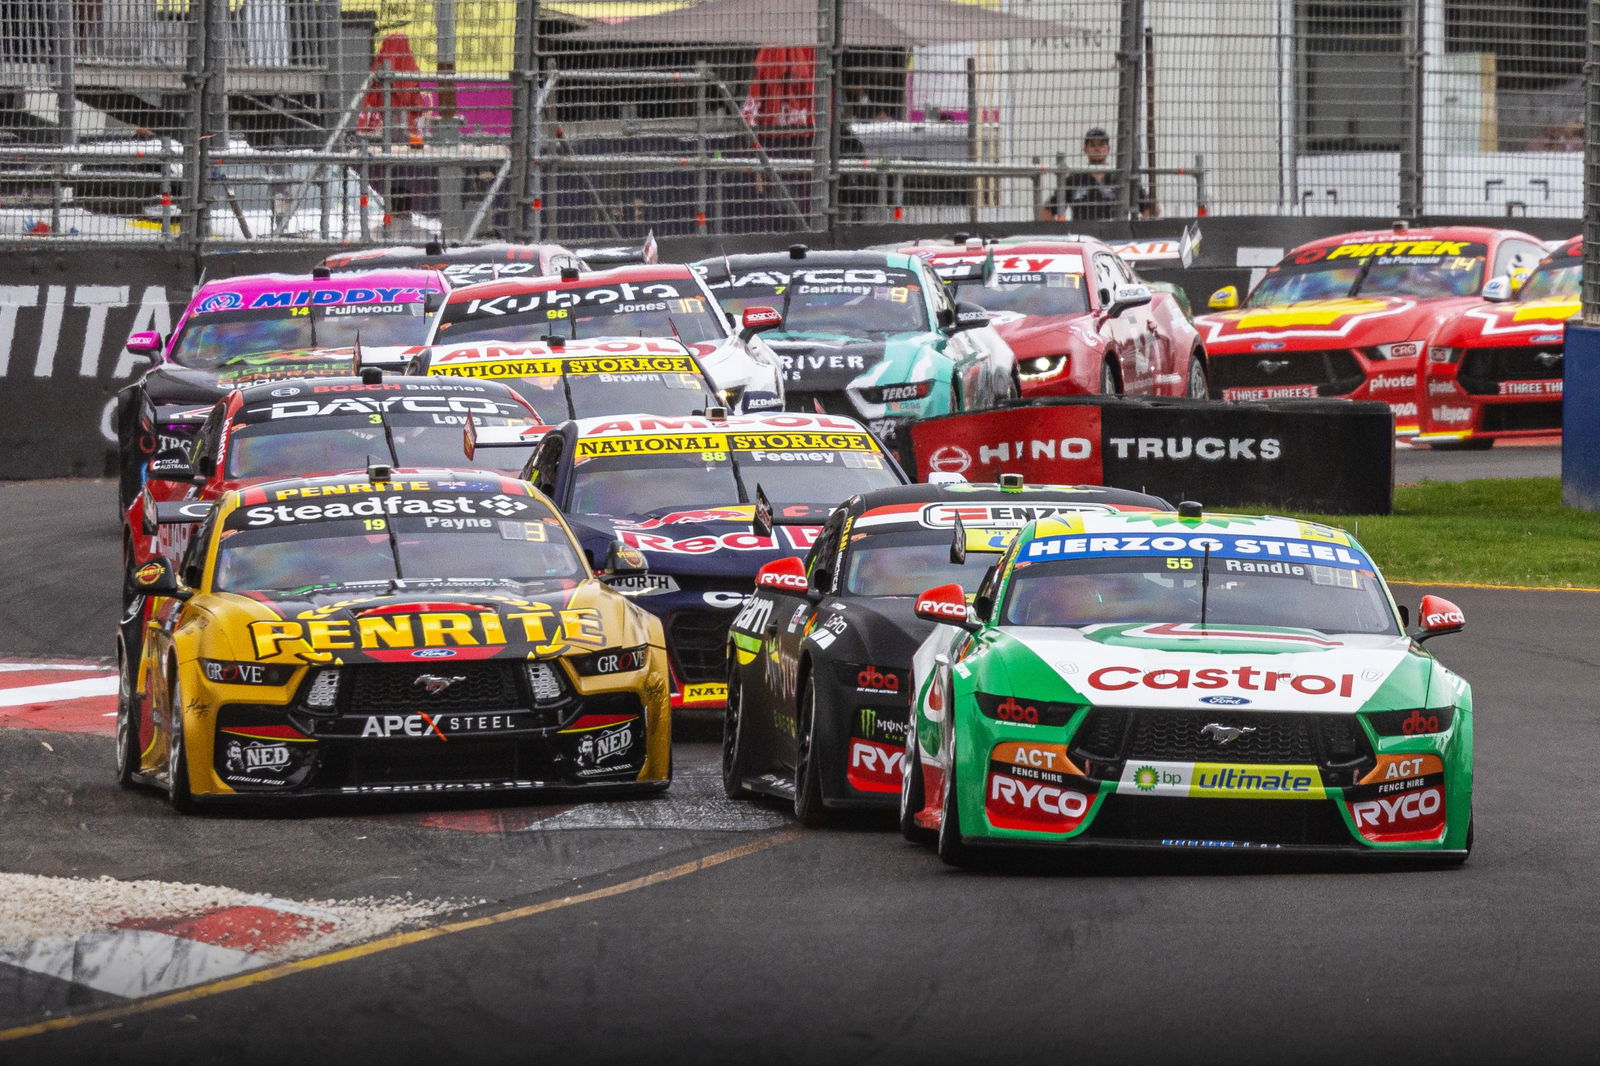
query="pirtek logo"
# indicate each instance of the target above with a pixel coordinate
(871, 679)
(433, 684)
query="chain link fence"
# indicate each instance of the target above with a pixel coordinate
(195, 123)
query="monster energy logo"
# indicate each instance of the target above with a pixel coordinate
(869, 722)
(872, 727)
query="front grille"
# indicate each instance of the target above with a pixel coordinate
(485, 686)
(1111, 736)
(697, 643)
(1334, 372)
(1506, 417)
(388, 762)
(1482, 369)
(1298, 823)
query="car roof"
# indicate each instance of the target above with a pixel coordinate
(487, 290)
(1472, 234)
(911, 500)
(1211, 523)
(267, 393)
(783, 262)
(775, 422)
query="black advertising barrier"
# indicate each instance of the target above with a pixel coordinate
(64, 318)
(1329, 456)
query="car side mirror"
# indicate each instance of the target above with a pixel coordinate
(1127, 297)
(145, 342)
(970, 316)
(1438, 616)
(1224, 299)
(624, 560)
(947, 318)
(757, 319)
(432, 301)
(157, 578)
(1498, 289)
(172, 465)
(947, 605)
(784, 575)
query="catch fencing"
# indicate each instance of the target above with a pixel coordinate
(199, 123)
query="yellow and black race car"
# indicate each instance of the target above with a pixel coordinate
(392, 632)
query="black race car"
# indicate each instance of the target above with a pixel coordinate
(467, 264)
(819, 658)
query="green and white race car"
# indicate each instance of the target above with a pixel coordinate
(1188, 680)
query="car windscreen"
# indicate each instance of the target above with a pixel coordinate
(906, 562)
(854, 301)
(1556, 279)
(215, 338)
(672, 307)
(1424, 268)
(640, 484)
(333, 443)
(1145, 589)
(396, 547)
(1039, 293)
(592, 395)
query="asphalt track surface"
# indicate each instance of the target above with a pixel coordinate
(697, 930)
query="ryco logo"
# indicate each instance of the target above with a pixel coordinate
(1444, 618)
(1013, 803)
(874, 767)
(1405, 810)
(956, 612)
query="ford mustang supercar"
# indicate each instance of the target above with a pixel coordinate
(662, 300)
(584, 378)
(1495, 370)
(390, 632)
(683, 491)
(1078, 318)
(1187, 680)
(1349, 315)
(871, 335)
(261, 327)
(819, 658)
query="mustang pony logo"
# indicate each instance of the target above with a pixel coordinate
(433, 684)
(1226, 734)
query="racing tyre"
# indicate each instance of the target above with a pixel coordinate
(127, 722)
(1469, 444)
(808, 806)
(912, 797)
(952, 849)
(735, 746)
(178, 794)
(1198, 388)
(1108, 380)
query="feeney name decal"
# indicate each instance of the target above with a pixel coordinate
(547, 629)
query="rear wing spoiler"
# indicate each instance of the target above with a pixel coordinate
(964, 541)
(610, 255)
(1181, 250)
(767, 518)
(171, 513)
(473, 437)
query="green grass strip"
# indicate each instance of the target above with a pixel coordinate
(1493, 531)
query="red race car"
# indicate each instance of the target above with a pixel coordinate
(1495, 370)
(1349, 315)
(1078, 317)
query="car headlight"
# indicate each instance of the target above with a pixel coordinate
(1040, 365)
(1444, 355)
(611, 661)
(546, 682)
(1417, 721)
(324, 690)
(1023, 711)
(230, 672)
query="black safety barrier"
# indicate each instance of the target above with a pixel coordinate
(1328, 456)
(1580, 418)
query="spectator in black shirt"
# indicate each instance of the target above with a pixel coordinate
(1095, 195)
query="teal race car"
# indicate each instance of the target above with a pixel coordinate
(1190, 681)
(869, 334)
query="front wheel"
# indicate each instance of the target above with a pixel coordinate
(735, 745)
(1197, 388)
(178, 793)
(1108, 380)
(127, 721)
(808, 806)
(912, 796)
(952, 849)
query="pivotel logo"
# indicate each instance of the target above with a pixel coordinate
(872, 679)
